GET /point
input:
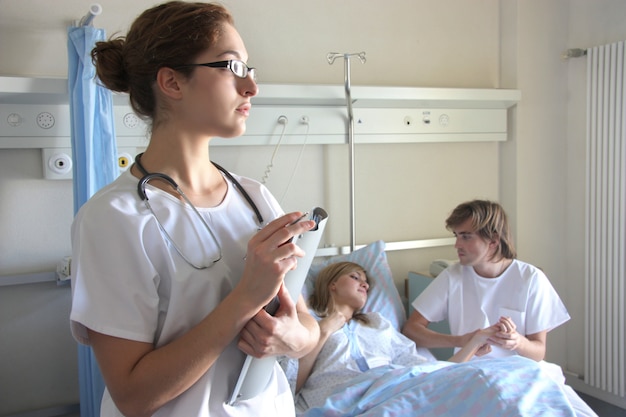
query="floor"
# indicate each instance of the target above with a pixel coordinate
(602, 408)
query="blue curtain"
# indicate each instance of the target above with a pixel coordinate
(94, 155)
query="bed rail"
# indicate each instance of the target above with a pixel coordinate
(389, 246)
(34, 278)
(39, 277)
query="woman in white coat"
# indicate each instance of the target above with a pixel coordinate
(174, 261)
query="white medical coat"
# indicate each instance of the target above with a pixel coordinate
(129, 282)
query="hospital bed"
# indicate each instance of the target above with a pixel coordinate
(510, 388)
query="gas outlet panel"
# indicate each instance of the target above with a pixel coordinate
(34, 126)
(35, 113)
(48, 126)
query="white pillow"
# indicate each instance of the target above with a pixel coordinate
(383, 295)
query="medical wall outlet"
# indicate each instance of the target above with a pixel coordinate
(125, 157)
(57, 163)
(64, 270)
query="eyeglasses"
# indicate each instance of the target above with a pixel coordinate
(237, 67)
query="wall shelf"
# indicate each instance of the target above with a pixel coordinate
(387, 97)
(26, 90)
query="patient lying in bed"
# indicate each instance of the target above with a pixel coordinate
(366, 341)
(364, 366)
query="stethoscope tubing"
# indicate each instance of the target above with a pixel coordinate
(167, 178)
(142, 193)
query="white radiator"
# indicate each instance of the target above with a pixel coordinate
(605, 321)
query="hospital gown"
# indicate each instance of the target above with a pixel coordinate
(352, 350)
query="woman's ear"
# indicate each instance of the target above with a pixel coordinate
(168, 82)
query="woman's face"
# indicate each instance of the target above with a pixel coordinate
(216, 102)
(350, 289)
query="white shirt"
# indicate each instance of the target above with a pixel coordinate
(129, 282)
(471, 302)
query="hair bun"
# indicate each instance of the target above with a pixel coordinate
(108, 57)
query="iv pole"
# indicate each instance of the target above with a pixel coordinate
(331, 59)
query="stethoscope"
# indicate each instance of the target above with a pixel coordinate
(141, 190)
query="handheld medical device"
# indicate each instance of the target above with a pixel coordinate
(256, 372)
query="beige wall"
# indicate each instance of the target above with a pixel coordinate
(541, 149)
(403, 191)
(408, 49)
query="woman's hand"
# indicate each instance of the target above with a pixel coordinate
(284, 333)
(482, 336)
(483, 350)
(332, 323)
(270, 255)
(478, 344)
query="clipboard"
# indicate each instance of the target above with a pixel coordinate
(255, 372)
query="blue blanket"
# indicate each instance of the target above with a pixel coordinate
(513, 386)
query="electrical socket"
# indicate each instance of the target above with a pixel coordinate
(57, 163)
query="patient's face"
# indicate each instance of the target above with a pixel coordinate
(350, 289)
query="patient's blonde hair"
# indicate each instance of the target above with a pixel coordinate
(321, 301)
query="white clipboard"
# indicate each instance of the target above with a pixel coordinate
(256, 372)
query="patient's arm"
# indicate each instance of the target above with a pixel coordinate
(328, 326)
(478, 344)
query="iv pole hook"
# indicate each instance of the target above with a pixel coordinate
(331, 56)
